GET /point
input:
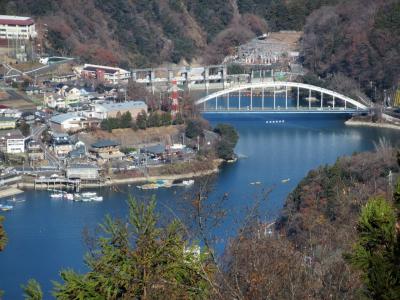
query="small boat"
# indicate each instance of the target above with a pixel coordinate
(6, 207)
(89, 194)
(188, 182)
(97, 198)
(56, 195)
(255, 182)
(69, 196)
(148, 186)
(285, 180)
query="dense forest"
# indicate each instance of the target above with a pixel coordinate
(151, 32)
(360, 39)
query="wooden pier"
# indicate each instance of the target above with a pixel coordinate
(58, 182)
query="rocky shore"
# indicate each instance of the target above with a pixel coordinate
(352, 122)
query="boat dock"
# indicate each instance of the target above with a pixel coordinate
(49, 183)
(9, 192)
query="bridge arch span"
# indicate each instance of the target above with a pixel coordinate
(284, 84)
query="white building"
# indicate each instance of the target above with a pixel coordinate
(66, 122)
(116, 109)
(12, 141)
(72, 122)
(103, 73)
(14, 27)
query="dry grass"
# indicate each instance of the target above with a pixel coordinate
(131, 138)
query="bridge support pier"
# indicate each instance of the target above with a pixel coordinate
(333, 102)
(322, 100)
(262, 99)
(298, 98)
(274, 97)
(286, 98)
(251, 99)
(239, 99)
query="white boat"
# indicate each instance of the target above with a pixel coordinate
(69, 196)
(97, 198)
(89, 194)
(188, 182)
(86, 199)
(285, 180)
(6, 207)
(56, 195)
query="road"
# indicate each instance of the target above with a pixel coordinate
(51, 158)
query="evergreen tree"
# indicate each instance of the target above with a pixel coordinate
(141, 120)
(178, 119)
(135, 259)
(227, 142)
(32, 291)
(125, 120)
(154, 120)
(166, 119)
(377, 252)
(194, 129)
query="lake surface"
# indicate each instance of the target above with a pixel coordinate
(45, 235)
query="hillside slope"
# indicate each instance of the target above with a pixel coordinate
(359, 38)
(151, 32)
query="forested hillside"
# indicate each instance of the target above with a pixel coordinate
(360, 39)
(151, 32)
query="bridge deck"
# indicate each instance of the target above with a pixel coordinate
(283, 110)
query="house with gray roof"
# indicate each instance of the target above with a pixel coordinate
(115, 109)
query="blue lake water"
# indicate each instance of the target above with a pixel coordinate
(45, 235)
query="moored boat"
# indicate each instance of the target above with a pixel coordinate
(6, 207)
(97, 198)
(56, 195)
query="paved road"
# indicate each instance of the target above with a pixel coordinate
(36, 135)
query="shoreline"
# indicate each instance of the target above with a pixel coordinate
(371, 124)
(128, 180)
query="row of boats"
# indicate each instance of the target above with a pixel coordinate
(84, 197)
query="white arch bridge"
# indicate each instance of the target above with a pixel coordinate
(277, 96)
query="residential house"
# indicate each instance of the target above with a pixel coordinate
(61, 144)
(106, 150)
(72, 122)
(54, 100)
(34, 150)
(64, 78)
(7, 122)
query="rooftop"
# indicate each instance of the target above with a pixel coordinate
(82, 166)
(7, 119)
(104, 144)
(61, 118)
(112, 106)
(15, 20)
(11, 134)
